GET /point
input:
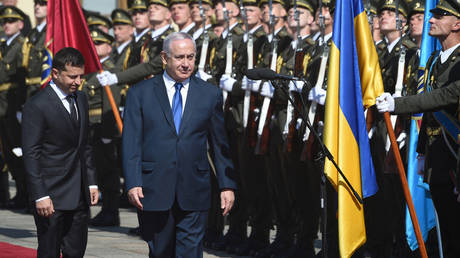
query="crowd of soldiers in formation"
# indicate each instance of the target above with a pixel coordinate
(278, 161)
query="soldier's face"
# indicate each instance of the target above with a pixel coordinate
(158, 13)
(181, 13)
(443, 26)
(232, 9)
(69, 79)
(122, 32)
(305, 18)
(326, 14)
(181, 61)
(416, 25)
(141, 20)
(277, 10)
(103, 50)
(387, 21)
(254, 15)
(12, 26)
(195, 11)
(40, 11)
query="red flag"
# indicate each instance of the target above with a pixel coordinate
(66, 27)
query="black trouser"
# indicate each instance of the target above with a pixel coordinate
(65, 231)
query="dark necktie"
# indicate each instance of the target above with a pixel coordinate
(73, 112)
(177, 106)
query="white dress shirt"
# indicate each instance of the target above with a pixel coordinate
(444, 55)
(171, 90)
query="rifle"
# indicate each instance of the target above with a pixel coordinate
(292, 115)
(229, 50)
(263, 127)
(205, 45)
(250, 52)
(319, 83)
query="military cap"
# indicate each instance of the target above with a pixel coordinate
(120, 16)
(210, 2)
(97, 19)
(138, 5)
(391, 5)
(12, 12)
(41, 2)
(99, 36)
(232, 1)
(417, 6)
(249, 2)
(307, 4)
(159, 2)
(173, 2)
(450, 6)
(281, 2)
(372, 5)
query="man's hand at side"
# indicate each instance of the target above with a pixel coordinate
(134, 196)
(94, 194)
(45, 208)
(227, 198)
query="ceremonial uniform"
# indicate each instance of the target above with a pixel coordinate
(12, 92)
(33, 57)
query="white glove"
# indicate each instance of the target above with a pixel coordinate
(17, 151)
(245, 83)
(203, 75)
(106, 140)
(226, 83)
(107, 78)
(19, 116)
(296, 86)
(318, 95)
(254, 85)
(267, 90)
(385, 103)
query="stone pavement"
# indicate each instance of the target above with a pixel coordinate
(18, 228)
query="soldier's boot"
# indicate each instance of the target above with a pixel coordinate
(259, 239)
(281, 244)
(4, 189)
(19, 201)
(106, 218)
(235, 235)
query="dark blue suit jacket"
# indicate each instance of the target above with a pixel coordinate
(169, 166)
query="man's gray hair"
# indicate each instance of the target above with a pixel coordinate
(173, 37)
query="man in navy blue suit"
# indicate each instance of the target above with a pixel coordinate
(169, 122)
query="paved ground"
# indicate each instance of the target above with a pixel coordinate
(18, 228)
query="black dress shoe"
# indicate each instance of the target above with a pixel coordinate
(248, 247)
(106, 219)
(227, 240)
(276, 248)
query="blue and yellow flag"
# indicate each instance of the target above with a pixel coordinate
(354, 82)
(419, 190)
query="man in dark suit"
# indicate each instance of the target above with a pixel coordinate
(60, 174)
(165, 153)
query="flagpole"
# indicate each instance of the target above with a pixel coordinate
(407, 195)
(114, 107)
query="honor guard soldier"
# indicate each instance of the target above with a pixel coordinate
(302, 180)
(33, 48)
(388, 204)
(12, 92)
(202, 12)
(123, 32)
(416, 16)
(222, 64)
(140, 17)
(99, 21)
(182, 16)
(438, 139)
(103, 133)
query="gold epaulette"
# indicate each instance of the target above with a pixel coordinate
(5, 86)
(95, 112)
(33, 80)
(26, 46)
(306, 62)
(279, 63)
(125, 62)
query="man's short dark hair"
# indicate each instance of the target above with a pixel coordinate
(68, 56)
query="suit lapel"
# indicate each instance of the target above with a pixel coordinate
(57, 103)
(192, 98)
(162, 97)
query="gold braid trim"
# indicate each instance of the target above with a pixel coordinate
(306, 61)
(279, 63)
(26, 52)
(125, 62)
(211, 57)
(83, 82)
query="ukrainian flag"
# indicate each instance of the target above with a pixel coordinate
(354, 82)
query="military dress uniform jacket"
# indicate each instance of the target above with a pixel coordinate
(33, 49)
(11, 77)
(149, 62)
(199, 43)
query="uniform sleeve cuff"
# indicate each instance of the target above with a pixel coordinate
(43, 198)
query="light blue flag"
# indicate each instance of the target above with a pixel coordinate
(420, 190)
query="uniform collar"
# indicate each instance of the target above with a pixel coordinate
(444, 55)
(156, 33)
(245, 37)
(137, 37)
(10, 39)
(225, 32)
(121, 47)
(41, 26)
(188, 28)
